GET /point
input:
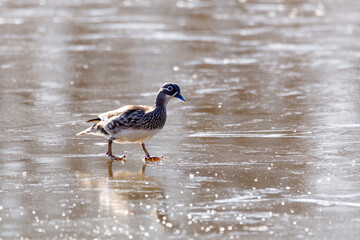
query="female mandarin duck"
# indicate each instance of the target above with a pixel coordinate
(134, 124)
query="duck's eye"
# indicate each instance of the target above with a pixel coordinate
(169, 88)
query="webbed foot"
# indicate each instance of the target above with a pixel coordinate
(152, 159)
(117, 158)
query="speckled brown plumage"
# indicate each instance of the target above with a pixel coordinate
(134, 123)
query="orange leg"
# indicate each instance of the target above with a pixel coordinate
(109, 153)
(147, 156)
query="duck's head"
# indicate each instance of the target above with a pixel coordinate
(167, 92)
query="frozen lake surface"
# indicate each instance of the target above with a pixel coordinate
(266, 147)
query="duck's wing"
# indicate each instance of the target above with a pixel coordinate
(125, 117)
(107, 115)
(113, 121)
(123, 111)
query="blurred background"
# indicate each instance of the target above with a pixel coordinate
(266, 147)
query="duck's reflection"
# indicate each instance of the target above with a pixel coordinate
(129, 196)
(111, 175)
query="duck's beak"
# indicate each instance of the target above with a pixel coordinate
(178, 95)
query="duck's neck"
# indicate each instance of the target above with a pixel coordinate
(161, 100)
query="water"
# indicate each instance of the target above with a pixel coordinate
(266, 147)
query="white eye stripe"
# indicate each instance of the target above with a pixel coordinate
(169, 88)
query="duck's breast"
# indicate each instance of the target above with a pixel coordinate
(134, 135)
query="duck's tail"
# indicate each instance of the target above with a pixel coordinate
(86, 131)
(96, 129)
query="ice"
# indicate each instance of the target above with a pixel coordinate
(268, 139)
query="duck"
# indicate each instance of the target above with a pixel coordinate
(134, 123)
